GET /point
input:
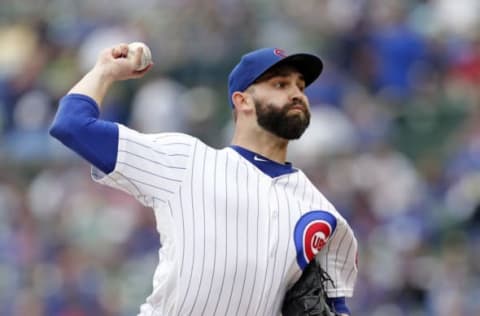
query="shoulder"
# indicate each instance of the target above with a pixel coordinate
(174, 139)
(173, 145)
(156, 139)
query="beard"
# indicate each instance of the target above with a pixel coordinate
(279, 122)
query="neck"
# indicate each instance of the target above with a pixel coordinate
(263, 143)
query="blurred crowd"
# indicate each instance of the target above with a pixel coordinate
(394, 141)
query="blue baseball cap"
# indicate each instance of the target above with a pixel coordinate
(254, 64)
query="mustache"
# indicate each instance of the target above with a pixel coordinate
(296, 103)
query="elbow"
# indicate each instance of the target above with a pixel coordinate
(73, 118)
(62, 130)
(55, 130)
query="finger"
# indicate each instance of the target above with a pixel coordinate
(115, 52)
(124, 49)
(141, 73)
(137, 57)
(120, 51)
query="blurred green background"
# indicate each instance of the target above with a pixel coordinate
(394, 141)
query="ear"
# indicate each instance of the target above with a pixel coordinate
(242, 101)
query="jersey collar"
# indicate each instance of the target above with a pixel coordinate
(267, 166)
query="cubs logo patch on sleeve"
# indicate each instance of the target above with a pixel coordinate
(311, 233)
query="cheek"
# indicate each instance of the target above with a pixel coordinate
(278, 96)
(275, 99)
(279, 101)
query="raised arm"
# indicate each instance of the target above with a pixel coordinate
(112, 65)
(76, 123)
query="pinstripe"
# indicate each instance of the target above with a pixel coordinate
(336, 255)
(131, 183)
(267, 299)
(288, 240)
(182, 214)
(215, 230)
(286, 212)
(150, 185)
(159, 199)
(347, 254)
(148, 172)
(170, 208)
(327, 253)
(302, 200)
(290, 237)
(176, 143)
(150, 160)
(307, 196)
(283, 280)
(330, 242)
(226, 233)
(257, 250)
(128, 140)
(310, 206)
(350, 274)
(299, 205)
(296, 183)
(146, 146)
(353, 266)
(204, 228)
(268, 264)
(237, 244)
(312, 200)
(193, 229)
(248, 236)
(304, 189)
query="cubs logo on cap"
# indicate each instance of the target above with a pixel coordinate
(256, 63)
(280, 52)
(311, 233)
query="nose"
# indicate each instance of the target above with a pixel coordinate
(298, 96)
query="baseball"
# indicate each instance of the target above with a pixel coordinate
(146, 56)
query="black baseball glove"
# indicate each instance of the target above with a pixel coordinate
(307, 297)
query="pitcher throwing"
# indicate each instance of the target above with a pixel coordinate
(239, 224)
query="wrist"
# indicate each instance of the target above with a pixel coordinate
(102, 76)
(94, 84)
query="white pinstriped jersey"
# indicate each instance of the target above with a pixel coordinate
(233, 238)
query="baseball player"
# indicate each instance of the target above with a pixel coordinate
(237, 225)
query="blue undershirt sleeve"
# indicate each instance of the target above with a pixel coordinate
(78, 127)
(339, 305)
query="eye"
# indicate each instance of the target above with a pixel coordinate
(279, 84)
